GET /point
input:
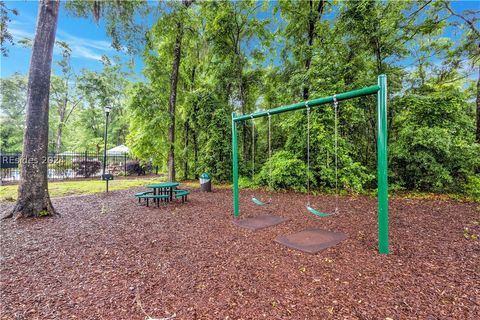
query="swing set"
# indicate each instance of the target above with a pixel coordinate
(381, 90)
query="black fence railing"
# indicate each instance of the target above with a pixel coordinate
(72, 165)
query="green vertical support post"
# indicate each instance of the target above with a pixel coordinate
(382, 166)
(235, 165)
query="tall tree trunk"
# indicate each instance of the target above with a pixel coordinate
(478, 106)
(33, 198)
(312, 21)
(195, 153)
(185, 158)
(177, 51)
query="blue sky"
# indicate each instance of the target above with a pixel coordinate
(87, 39)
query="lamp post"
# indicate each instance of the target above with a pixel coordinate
(104, 176)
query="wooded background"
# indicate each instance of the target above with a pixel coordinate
(247, 56)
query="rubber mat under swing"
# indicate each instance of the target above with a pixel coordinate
(311, 240)
(260, 222)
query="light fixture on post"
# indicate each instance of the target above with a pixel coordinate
(105, 176)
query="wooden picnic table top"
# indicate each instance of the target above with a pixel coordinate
(163, 185)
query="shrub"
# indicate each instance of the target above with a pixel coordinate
(86, 168)
(288, 172)
(434, 147)
(138, 168)
(246, 182)
(472, 188)
(352, 176)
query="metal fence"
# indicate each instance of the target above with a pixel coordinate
(67, 165)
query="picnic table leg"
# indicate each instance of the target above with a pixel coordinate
(171, 193)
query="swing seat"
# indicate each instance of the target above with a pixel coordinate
(258, 202)
(317, 213)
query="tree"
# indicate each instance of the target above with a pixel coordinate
(434, 150)
(471, 46)
(62, 95)
(302, 31)
(177, 52)
(99, 90)
(33, 198)
(12, 116)
(230, 28)
(5, 35)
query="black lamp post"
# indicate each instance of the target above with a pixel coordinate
(105, 137)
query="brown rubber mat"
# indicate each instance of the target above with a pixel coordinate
(260, 222)
(311, 240)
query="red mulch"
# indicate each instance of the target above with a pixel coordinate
(109, 258)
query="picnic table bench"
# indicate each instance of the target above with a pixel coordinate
(181, 193)
(162, 192)
(156, 198)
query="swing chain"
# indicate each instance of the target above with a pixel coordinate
(308, 153)
(270, 153)
(335, 105)
(253, 148)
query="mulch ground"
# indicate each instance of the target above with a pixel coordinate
(107, 257)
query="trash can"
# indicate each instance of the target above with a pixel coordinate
(205, 182)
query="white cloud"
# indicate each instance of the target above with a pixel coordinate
(84, 47)
(81, 47)
(79, 51)
(19, 34)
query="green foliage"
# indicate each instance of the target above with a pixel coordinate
(246, 183)
(287, 172)
(43, 213)
(434, 148)
(12, 112)
(5, 19)
(237, 58)
(472, 188)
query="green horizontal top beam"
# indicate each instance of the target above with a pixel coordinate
(312, 103)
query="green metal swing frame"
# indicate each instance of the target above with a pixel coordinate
(382, 171)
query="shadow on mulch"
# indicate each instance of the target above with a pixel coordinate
(107, 257)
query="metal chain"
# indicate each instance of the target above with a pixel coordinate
(335, 104)
(253, 149)
(270, 153)
(308, 153)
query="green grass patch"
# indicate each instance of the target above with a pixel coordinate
(69, 188)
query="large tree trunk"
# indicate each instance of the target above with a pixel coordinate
(33, 198)
(312, 21)
(177, 53)
(173, 100)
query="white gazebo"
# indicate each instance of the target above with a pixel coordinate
(118, 150)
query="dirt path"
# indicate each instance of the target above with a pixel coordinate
(109, 258)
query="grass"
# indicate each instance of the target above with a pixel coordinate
(68, 188)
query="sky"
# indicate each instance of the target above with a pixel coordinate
(87, 39)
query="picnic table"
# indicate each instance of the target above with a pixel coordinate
(164, 188)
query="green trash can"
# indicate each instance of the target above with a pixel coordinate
(205, 182)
